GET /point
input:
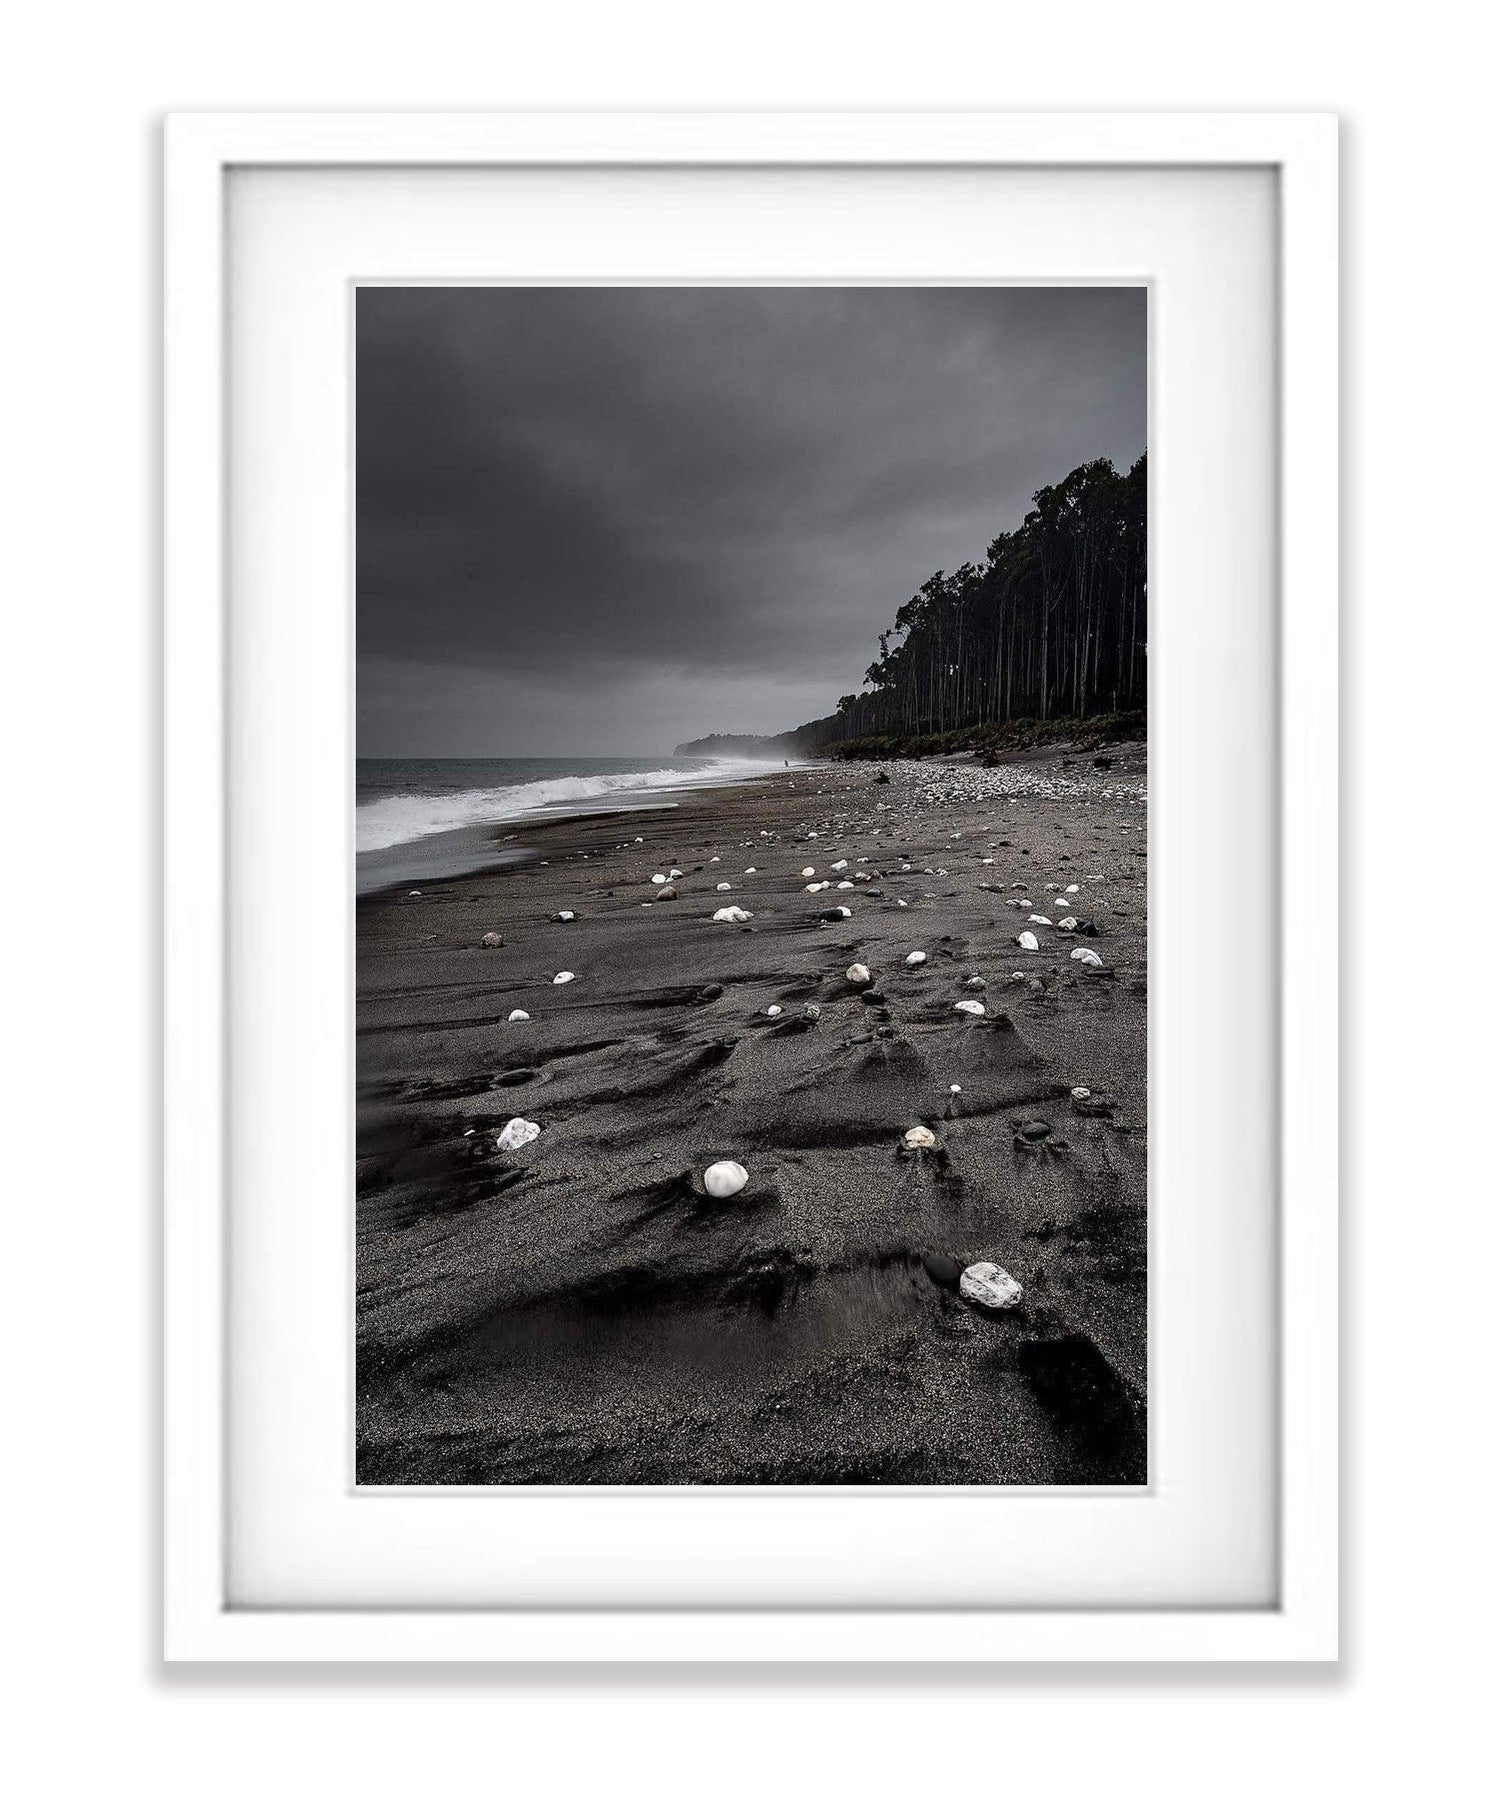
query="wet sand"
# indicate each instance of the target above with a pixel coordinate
(579, 1311)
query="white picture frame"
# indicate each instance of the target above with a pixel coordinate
(202, 1622)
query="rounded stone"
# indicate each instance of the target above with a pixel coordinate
(943, 1270)
(724, 1179)
(988, 1285)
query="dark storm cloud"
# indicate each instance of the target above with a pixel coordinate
(607, 519)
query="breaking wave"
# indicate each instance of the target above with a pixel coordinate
(406, 817)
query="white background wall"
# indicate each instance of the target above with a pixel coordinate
(81, 91)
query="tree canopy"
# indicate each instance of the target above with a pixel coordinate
(1051, 624)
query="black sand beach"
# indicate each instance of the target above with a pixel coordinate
(578, 1310)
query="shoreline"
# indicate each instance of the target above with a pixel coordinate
(473, 849)
(579, 1311)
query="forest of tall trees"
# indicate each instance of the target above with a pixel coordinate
(1050, 625)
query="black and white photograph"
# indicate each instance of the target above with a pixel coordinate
(751, 840)
(748, 751)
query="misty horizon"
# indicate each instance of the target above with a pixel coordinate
(600, 522)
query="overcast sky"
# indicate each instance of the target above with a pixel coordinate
(599, 521)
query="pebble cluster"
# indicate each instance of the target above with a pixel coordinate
(911, 789)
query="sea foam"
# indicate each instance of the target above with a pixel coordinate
(406, 817)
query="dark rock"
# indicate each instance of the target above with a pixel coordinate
(871, 996)
(1035, 1130)
(711, 991)
(946, 1271)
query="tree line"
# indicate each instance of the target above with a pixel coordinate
(1052, 624)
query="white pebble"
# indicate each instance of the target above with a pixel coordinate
(858, 974)
(807, 873)
(724, 887)
(1028, 940)
(955, 1088)
(916, 958)
(724, 1179)
(518, 1132)
(988, 1285)
(973, 1007)
(1087, 957)
(518, 1017)
(561, 980)
(732, 915)
(919, 1137)
(772, 1011)
(658, 880)
(492, 940)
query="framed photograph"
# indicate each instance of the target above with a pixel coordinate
(752, 705)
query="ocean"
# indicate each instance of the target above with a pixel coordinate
(429, 819)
